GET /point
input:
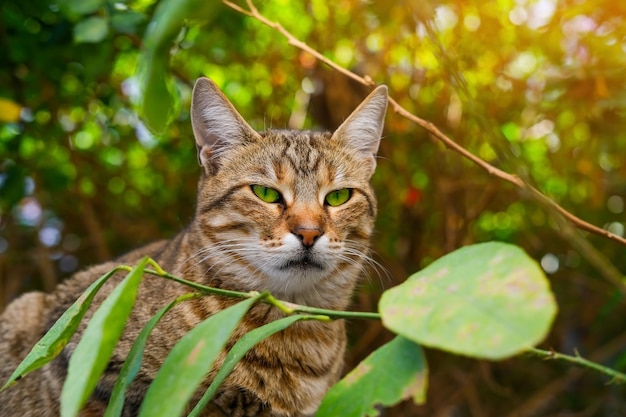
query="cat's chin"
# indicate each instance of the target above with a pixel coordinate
(297, 278)
(298, 274)
(302, 264)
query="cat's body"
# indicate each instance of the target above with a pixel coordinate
(285, 211)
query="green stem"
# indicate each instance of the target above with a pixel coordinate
(579, 360)
(322, 314)
(284, 306)
(200, 287)
(334, 313)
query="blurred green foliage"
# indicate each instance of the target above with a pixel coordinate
(534, 87)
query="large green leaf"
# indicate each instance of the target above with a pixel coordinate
(157, 105)
(92, 353)
(489, 300)
(53, 342)
(133, 360)
(239, 350)
(392, 373)
(189, 362)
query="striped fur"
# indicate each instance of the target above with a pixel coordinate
(239, 242)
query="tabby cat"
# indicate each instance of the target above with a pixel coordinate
(286, 211)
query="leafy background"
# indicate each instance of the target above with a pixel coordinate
(533, 87)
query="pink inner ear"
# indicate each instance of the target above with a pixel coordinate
(205, 154)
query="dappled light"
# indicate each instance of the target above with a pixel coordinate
(97, 154)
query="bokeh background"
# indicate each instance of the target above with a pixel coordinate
(534, 87)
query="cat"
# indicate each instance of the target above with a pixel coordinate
(286, 211)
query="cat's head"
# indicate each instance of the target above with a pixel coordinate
(284, 210)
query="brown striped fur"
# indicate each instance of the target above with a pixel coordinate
(299, 248)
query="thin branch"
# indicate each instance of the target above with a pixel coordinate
(284, 306)
(428, 126)
(322, 314)
(616, 376)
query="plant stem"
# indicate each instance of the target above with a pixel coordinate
(199, 287)
(284, 306)
(322, 314)
(333, 313)
(617, 376)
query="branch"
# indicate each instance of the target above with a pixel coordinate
(428, 126)
(284, 306)
(618, 377)
(322, 314)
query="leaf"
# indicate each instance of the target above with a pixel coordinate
(392, 373)
(489, 300)
(157, 101)
(80, 7)
(91, 30)
(189, 362)
(239, 350)
(133, 360)
(92, 353)
(53, 342)
(157, 105)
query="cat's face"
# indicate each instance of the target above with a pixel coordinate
(286, 211)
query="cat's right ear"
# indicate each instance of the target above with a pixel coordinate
(362, 130)
(217, 126)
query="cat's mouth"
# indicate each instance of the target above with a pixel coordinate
(303, 262)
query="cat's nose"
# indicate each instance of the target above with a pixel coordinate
(308, 236)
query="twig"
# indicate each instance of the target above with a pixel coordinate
(428, 126)
(616, 376)
(551, 390)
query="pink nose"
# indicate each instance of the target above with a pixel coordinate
(308, 236)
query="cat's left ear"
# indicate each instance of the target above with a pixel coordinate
(362, 130)
(216, 124)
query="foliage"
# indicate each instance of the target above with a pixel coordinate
(394, 372)
(190, 360)
(92, 354)
(488, 301)
(55, 340)
(533, 87)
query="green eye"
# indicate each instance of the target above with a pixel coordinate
(338, 197)
(269, 195)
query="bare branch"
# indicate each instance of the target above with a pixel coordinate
(428, 126)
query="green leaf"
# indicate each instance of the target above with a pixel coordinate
(189, 362)
(92, 353)
(53, 342)
(80, 7)
(489, 300)
(91, 30)
(133, 360)
(157, 105)
(239, 350)
(392, 373)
